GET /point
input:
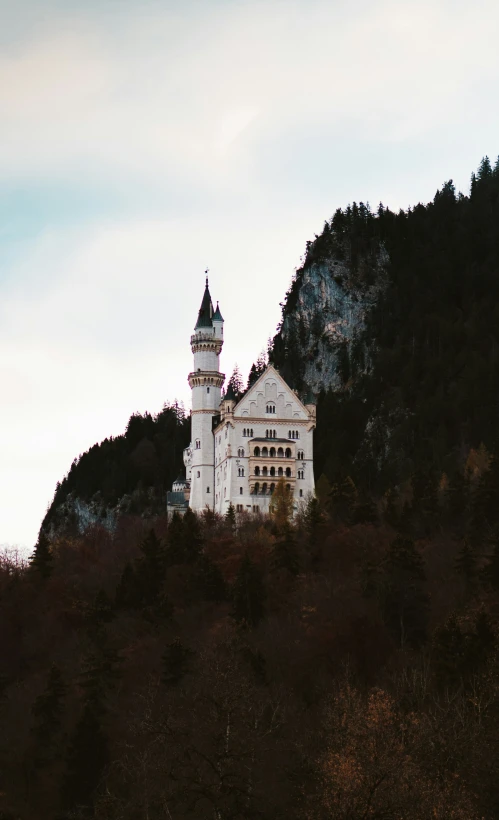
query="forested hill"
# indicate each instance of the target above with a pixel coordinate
(393, 320)
(130, 473)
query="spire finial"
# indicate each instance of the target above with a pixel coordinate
(206, 272)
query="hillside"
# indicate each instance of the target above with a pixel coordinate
(315, 669)
(393, 320)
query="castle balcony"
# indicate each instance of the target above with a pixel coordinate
(206, 341)
(205, 377)
(260, 485)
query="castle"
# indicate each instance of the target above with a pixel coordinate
(241, 447)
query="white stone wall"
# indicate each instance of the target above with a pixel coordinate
(290, 420)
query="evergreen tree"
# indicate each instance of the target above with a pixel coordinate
(365, 511)
(466, 563)
(402, 596)
(128, 593)
(248, 594)
(230, 517)
(175, 662)
(42, 560)
(209, 580)
(343, 498)
(490, 572)
(150, 569)
(448, 653)
(87, 757)
(47, 713)
(285, 554)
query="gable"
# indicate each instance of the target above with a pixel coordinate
(270, 390)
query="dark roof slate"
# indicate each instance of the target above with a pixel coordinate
(206, 310)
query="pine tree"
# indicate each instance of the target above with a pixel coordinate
(87, 757)
(230, 517)
(150, 569)
(404, 602)
(42, 560)
(365, 511)
(175, 662)
(128, 591)
(285, 554)
(343, 498)
(448, 653)
(209, 580)
(47, 713)
(466, 563)
(490, 572)
(248, 594)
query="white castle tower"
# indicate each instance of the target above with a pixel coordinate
(205, 382)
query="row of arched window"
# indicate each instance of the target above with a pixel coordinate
(270, 434)
(248, 432)
(270, 408)
(272, 471)
(301, 473)
(240, 471)
(240, 452)
(265, 489)
(293, 434)
(300, 455)
(265, 452)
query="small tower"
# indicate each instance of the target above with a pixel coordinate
(205, 382)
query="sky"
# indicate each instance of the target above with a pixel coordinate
(142, 141)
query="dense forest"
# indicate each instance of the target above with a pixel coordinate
(341, 665)
(421, 383)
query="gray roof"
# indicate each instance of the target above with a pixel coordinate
(177, 499)
(217, 316)
(274, 440)
(206, 310)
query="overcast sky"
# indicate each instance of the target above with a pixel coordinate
(141, 141)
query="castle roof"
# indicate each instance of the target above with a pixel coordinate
(206, 310)
(217, 316)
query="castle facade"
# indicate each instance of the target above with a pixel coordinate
(241, 446)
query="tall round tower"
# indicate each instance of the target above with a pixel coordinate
(206, 383)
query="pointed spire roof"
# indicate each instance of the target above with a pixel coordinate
(217, 316)
(206, 310)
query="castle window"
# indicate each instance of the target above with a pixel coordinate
(240, 490)
(244, 431)
(288, 472)
(251, 432)
(272, 471)
(207, 489)
(225, 491)
(256, 452)
(199, 474)
(270, 408)
(264, 471)
(301, 493)
(242, 471)
(257, 470)
(280, 471)
(198, 444)
(257, 488)
(207, 389)
(264, 489)
(265, 452)
(280, 453)
(297, 434)
(289, 433)
(272, 452)
(256, 508)
(239, 508)
(272, 488)
(288, 452)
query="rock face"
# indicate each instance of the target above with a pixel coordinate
(324, 318)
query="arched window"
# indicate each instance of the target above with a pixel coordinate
(272, 452)
(301, 493)
(297, 434)
(288, 487)
(265, 452)
(289, 433)
(272, 471)
(264, 471)
(256, 452)
(280, 471)
(288, 472)
(257, 488)
(242, 471)
(240, 490)
(257, 470)
(272, 488)
(288, 452)
(244, 431)
(264, 488)
(280, 453)
(251, 432)
(198, 444)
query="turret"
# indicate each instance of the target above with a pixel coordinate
(206, 382)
